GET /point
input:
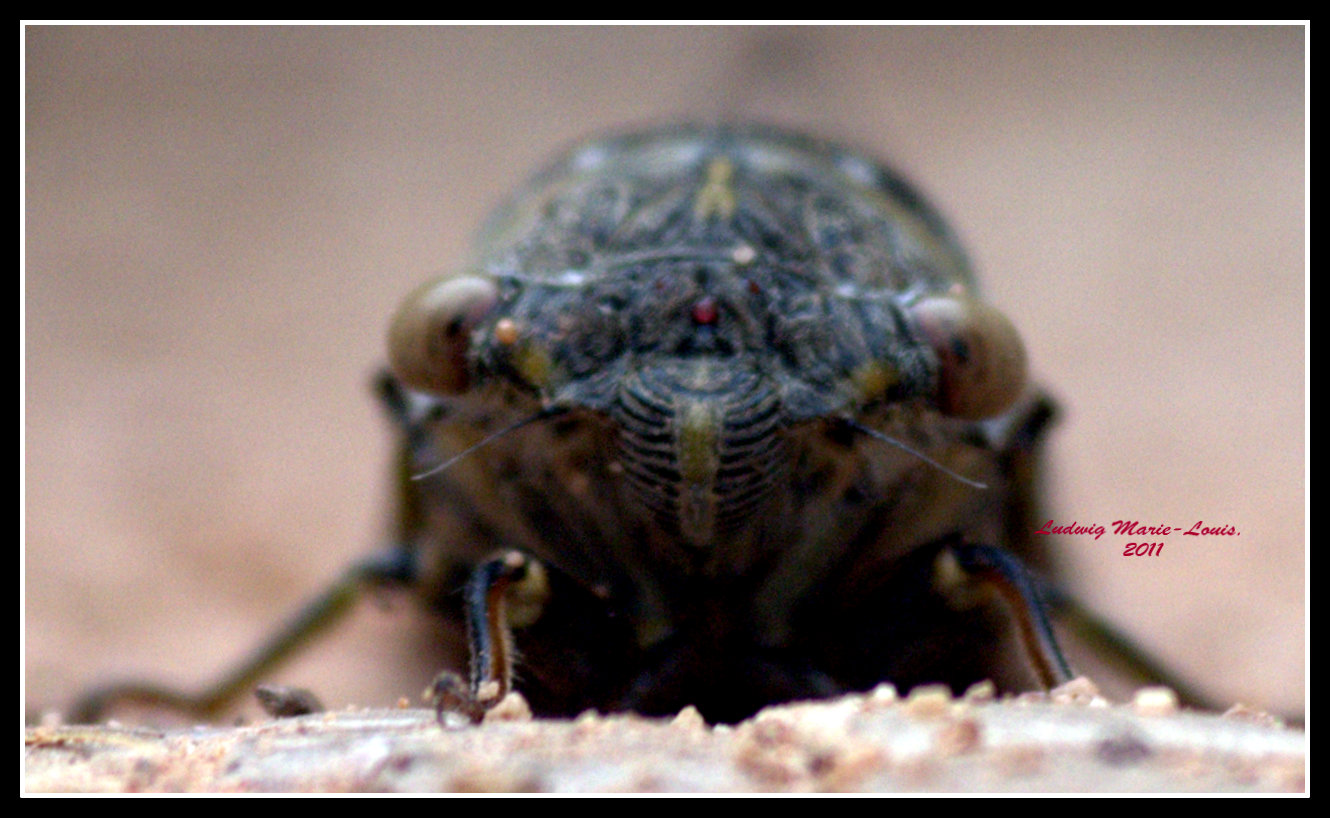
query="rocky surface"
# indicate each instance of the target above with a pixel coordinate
(1071, 740)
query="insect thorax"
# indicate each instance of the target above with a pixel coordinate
(713, 305)
(706, 294)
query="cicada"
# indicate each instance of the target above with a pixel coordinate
(714, 416)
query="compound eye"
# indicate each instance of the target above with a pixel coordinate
(431, 333)
(981, 360)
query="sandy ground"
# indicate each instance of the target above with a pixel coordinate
(220, 221)
(875, 742)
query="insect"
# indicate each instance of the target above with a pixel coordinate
(715, 416)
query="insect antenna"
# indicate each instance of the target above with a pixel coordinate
(885, 438)
(543, 414)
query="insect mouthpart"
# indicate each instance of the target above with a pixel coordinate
(699, 441)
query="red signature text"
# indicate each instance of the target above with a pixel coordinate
(1134, 528)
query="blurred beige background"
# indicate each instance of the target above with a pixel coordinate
(220, 221)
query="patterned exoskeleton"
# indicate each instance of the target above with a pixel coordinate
(702, 423)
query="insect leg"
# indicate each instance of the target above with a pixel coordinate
(494, 584)
(393, 566)
(1004, 573)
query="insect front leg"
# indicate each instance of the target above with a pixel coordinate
(1003, 573)
(503, 592)
(1017, 440)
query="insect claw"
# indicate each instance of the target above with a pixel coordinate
(450, 694)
